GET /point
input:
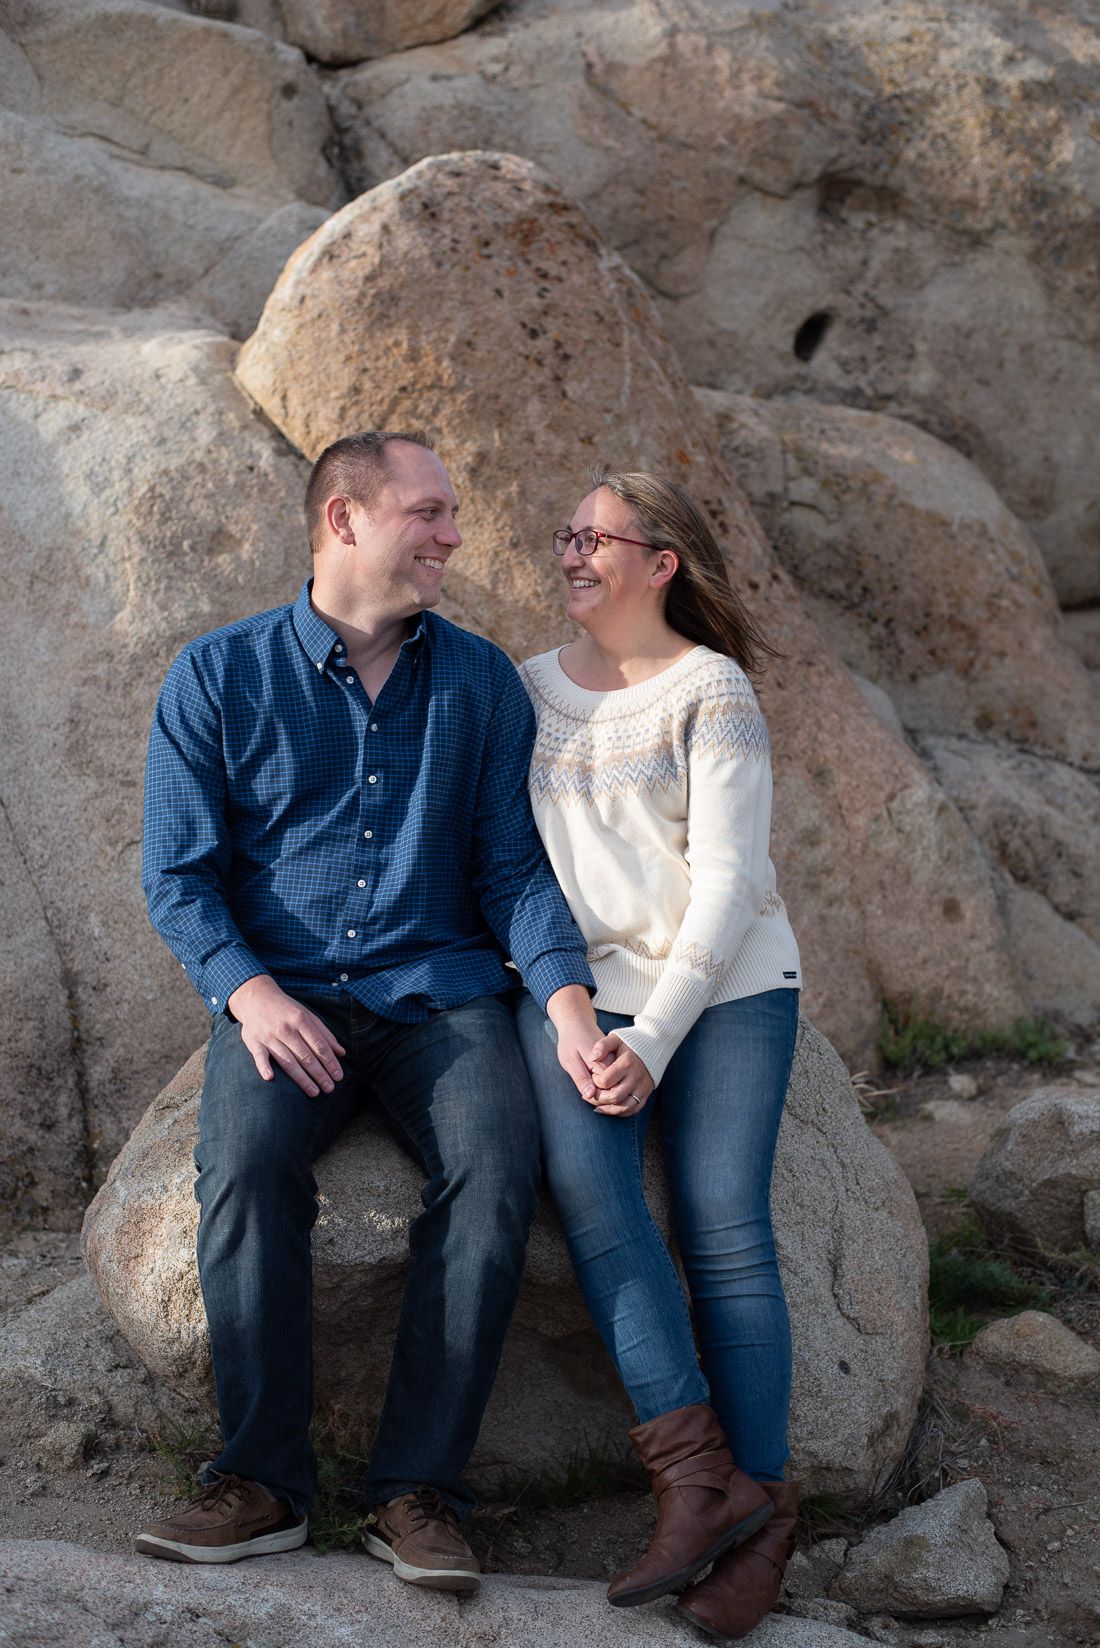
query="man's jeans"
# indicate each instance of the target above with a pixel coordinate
(720, 1104)
(455, 1092)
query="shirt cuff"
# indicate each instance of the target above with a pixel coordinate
(553, 970)
(225, 972)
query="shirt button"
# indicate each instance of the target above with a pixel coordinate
(372, 779)
(351, 932)
(339, 646)
(374, 726)
(213, 1001)
(360, 884)
(349, 679)
(367, 835)
(343, 978)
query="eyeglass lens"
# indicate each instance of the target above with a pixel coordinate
(586, 542)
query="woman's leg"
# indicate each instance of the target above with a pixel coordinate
(630, 1285)
(721, 1102)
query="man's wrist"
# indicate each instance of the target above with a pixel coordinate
(570, 1002)
(246, 994)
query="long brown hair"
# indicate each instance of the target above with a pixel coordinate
(702, 604)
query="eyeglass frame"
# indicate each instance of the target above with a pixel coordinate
(575, 537)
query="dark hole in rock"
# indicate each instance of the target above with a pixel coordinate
(845, 1367)
(810, 335)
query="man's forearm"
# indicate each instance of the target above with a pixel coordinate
(193, 921)
(570, 1004)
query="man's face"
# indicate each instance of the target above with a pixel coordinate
(404, 540)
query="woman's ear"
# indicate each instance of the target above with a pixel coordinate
(665, 568)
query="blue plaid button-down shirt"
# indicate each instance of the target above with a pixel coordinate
(385, 849)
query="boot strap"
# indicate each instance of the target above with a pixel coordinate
(772, 1547)
(711, 1469)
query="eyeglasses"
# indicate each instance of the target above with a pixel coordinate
(588, 541)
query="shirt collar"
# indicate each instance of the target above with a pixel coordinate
(320, 639)
(317, 637)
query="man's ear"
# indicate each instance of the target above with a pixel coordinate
(338, 517)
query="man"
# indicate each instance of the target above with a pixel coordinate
(340, 851)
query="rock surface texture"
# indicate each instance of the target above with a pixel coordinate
(55, 1594)
(886, 205)
(531, 337)
(1034, 1342)
(165, 145)
(921, 578)
(173, 509)
(938, 1558)
(1044, 1159)
(851, 1246)
(43, 1157)
(1038, 819)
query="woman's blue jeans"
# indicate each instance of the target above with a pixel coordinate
(720, 1104)
(454, 1090)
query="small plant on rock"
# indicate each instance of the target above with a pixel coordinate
(969, 1284)
(910, 1039)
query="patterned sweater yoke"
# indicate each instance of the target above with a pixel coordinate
(654, 803)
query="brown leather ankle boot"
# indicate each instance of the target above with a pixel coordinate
(744, 1585)
(704, 1503)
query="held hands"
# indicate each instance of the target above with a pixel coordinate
(623, 1083)
(276, 1027)
(605, 1072)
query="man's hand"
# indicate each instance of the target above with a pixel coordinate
(570, 1012)
(623, 1081)
(275, 1026)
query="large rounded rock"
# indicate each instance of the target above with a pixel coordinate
(171, 509)
(470, 297)
(852, 1251)
(1030, 1185)
(920, 577)
(347, 31)
(889, 205)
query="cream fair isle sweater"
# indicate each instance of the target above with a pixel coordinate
(654, 804)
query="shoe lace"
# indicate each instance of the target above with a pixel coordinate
(429, 1505)
(228, 1488)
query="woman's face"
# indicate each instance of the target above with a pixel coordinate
(616, 579)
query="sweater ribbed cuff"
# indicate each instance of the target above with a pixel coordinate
(667, 1017)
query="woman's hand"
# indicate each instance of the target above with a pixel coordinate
(622, 1080)
(570, 1011)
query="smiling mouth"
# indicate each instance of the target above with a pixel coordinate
(430, 561)
(583, 583)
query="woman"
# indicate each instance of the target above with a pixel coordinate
(651, 786)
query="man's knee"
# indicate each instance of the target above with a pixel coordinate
(255, 1136)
